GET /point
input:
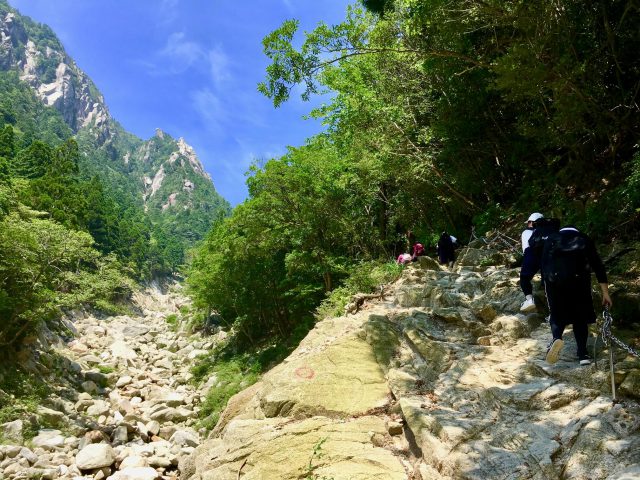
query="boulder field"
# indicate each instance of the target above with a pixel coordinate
(121, 407)
(440, 378)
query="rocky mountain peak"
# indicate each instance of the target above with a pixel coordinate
(35, 52)
(187, 152)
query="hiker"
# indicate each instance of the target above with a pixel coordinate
(532, 250)
(404, 258)
(530, 264)
(418, 251)
(568, 258)
(446, 249)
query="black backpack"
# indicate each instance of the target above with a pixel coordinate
(565, 260)
(543, 227)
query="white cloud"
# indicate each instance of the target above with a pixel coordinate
(182, 53)
(210, 108)
(168, 11)
(219, 64)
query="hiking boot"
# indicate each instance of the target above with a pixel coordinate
(528, 306)
(553, 351)
(584, 359)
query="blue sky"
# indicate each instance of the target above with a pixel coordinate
(190, 67)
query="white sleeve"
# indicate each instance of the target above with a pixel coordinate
(526, 235)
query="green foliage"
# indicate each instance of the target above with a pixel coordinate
(366, 277)
(440, 118)
(30, 118)
(483, 104)
(35, 258)
(48, 265)
(106, 369)
(232, 376)
(105, 285)
(316, 455)
(491, 217)
(25, 392)
(172, 321)
(47, 68)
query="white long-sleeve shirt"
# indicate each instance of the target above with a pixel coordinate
(526, 235)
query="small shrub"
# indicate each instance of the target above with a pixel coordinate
(316, 455)
(233, 376)
(365, 277)
(26, 392)
(106, 369)
(172, 321)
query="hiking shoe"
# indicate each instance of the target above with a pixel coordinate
(553, 352)
(584, 360)
(528, 306)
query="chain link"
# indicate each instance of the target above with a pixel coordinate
(607, 335)
(498, 237)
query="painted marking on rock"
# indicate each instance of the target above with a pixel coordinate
(305, 372)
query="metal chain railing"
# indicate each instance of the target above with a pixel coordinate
(609, 339)
(499, 238)
(606, 333)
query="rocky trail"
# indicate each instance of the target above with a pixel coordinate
(122, 407)
(441, 378)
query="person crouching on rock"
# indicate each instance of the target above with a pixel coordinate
(568, 258)
(403, 258)
(530, 265)
(418, 251)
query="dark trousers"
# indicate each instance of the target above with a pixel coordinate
(530, 266)
(580, 331)
(573, 305)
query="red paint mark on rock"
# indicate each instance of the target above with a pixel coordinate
(305, 372)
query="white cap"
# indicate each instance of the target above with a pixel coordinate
(534, 216)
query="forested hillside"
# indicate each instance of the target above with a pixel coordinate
(86, 208)
(443, 115)
(162, 177)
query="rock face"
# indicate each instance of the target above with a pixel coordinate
(441, 379)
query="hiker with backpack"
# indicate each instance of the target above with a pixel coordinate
(533, 237)
(446, 249)
(568, 259)
(530, 265)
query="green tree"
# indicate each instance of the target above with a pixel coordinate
(59, 191)
(34, 160)
(35, 255)
(7, 142)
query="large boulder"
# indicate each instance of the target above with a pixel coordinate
(338, 375)
(317, 447)
(120, 349)
(48, 439)
(95, 455)
(135, 473)
(12, 431)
